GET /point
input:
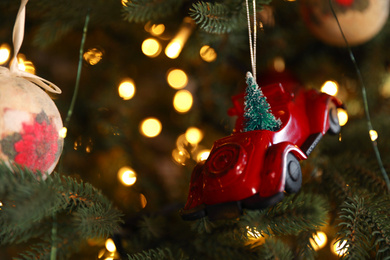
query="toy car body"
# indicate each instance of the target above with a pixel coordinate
(253, 169)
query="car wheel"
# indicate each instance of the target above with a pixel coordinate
(334, 125)
(293, 174)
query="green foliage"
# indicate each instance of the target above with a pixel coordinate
(275, 249)
(146, 10)
(34, 208)
(258, 115)
(158, 254)
(223, 17)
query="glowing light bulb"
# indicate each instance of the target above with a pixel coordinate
(110, 245)
(339, 248)
(194, 135)
(5, 53)
(343, 116)
(124, 2)
(151, 127)
(373, 135)
(175, 46)
(93, 56)
(208, 54)
(319, 241)
(330, 88)
(177, 78)
(142, 200)
(182, 101)
(126, 89)
(62, 133)
(202, 155)
(29, 67)
(279, 64)
(127, 176)
(180, 156)
(151, 47)
(157, 29)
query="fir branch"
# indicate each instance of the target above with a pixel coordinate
(275, 249)
(146, 10)
(154, 253)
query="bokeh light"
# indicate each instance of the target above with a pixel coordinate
(194, 135)
(279, 64)
(124, 2)
(330, 88)
(151, 47)
(143, 201)
(319, 241)
(177, 78)
(176, 45)
(126, 89)
(151, 127)
(5, 52)
(208, 54)
(203, 155)
(173, 49)
(29, 67)
(127, 176)
(63, 131)
(343, 116)
(373, 135)
(110, 245)
(182, 101)
(180, 156)
(339, 248)
(93, 56)
(157, 29)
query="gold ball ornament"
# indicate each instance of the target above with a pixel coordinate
(29, 125)
(360, 20)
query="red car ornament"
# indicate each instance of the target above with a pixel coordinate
(253, 169)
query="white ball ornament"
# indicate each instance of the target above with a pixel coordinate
(29, 124)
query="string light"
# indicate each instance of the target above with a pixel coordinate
(194, 135)
(5, 52)
(143, 200)
(110, 245)
(29, 67)
(180, 156)
(126, 89)
(373, 135)
(203, 155)
(253, 233)
(177, 78)
(157, 29)
(182, 101)
(343, 116)
(93, 56)
(208, 54)
(279, 64)
(339, 248)
(176, 45)
(63, 131)
(127, 176)
(330, 88)
(319, 241)
(151, 47)
(151, 127)
(124, 2)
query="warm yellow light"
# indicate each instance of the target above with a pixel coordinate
(253, 233)
(330, 88)
(4, 53)
(279, 64)
(21, 59)
(202, 155)
(124, 2)
(151, 47)
(126, 89)
(343, 116)
(151, 127)
(180, 156)
(62, 133)
(339, 248)
(182, 101)
(93, 56)
(127, 176)
(173, 50)
(29, 67)
(175, 46)
(177, 78)
(373, 135)
(194, 135)
(110, 245)
(319, 241)
(208, 54)
(143, 200)
(157, 29)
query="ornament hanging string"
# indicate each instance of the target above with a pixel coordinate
(17, 38)
(252, 44)
(365, 99)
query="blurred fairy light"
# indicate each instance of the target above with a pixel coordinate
(208, 54)
(151, 47)
(203, 155)
(373, 135)
(343, 116)
(151, 127)
(177, 78)
(182, 101)
(194, 135)
(5, 52)
(253, 233)
(279, 64)
(63, 132)
(157, 29)
(180, 156)
(126, 89)
(127, 176)
(29, 67)
(142, 200)
(21, 58)
(176, 45)
(110, 245)
(124, 2)
(339, 248)
(330, 88)
(319, 241)
(93, 56)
